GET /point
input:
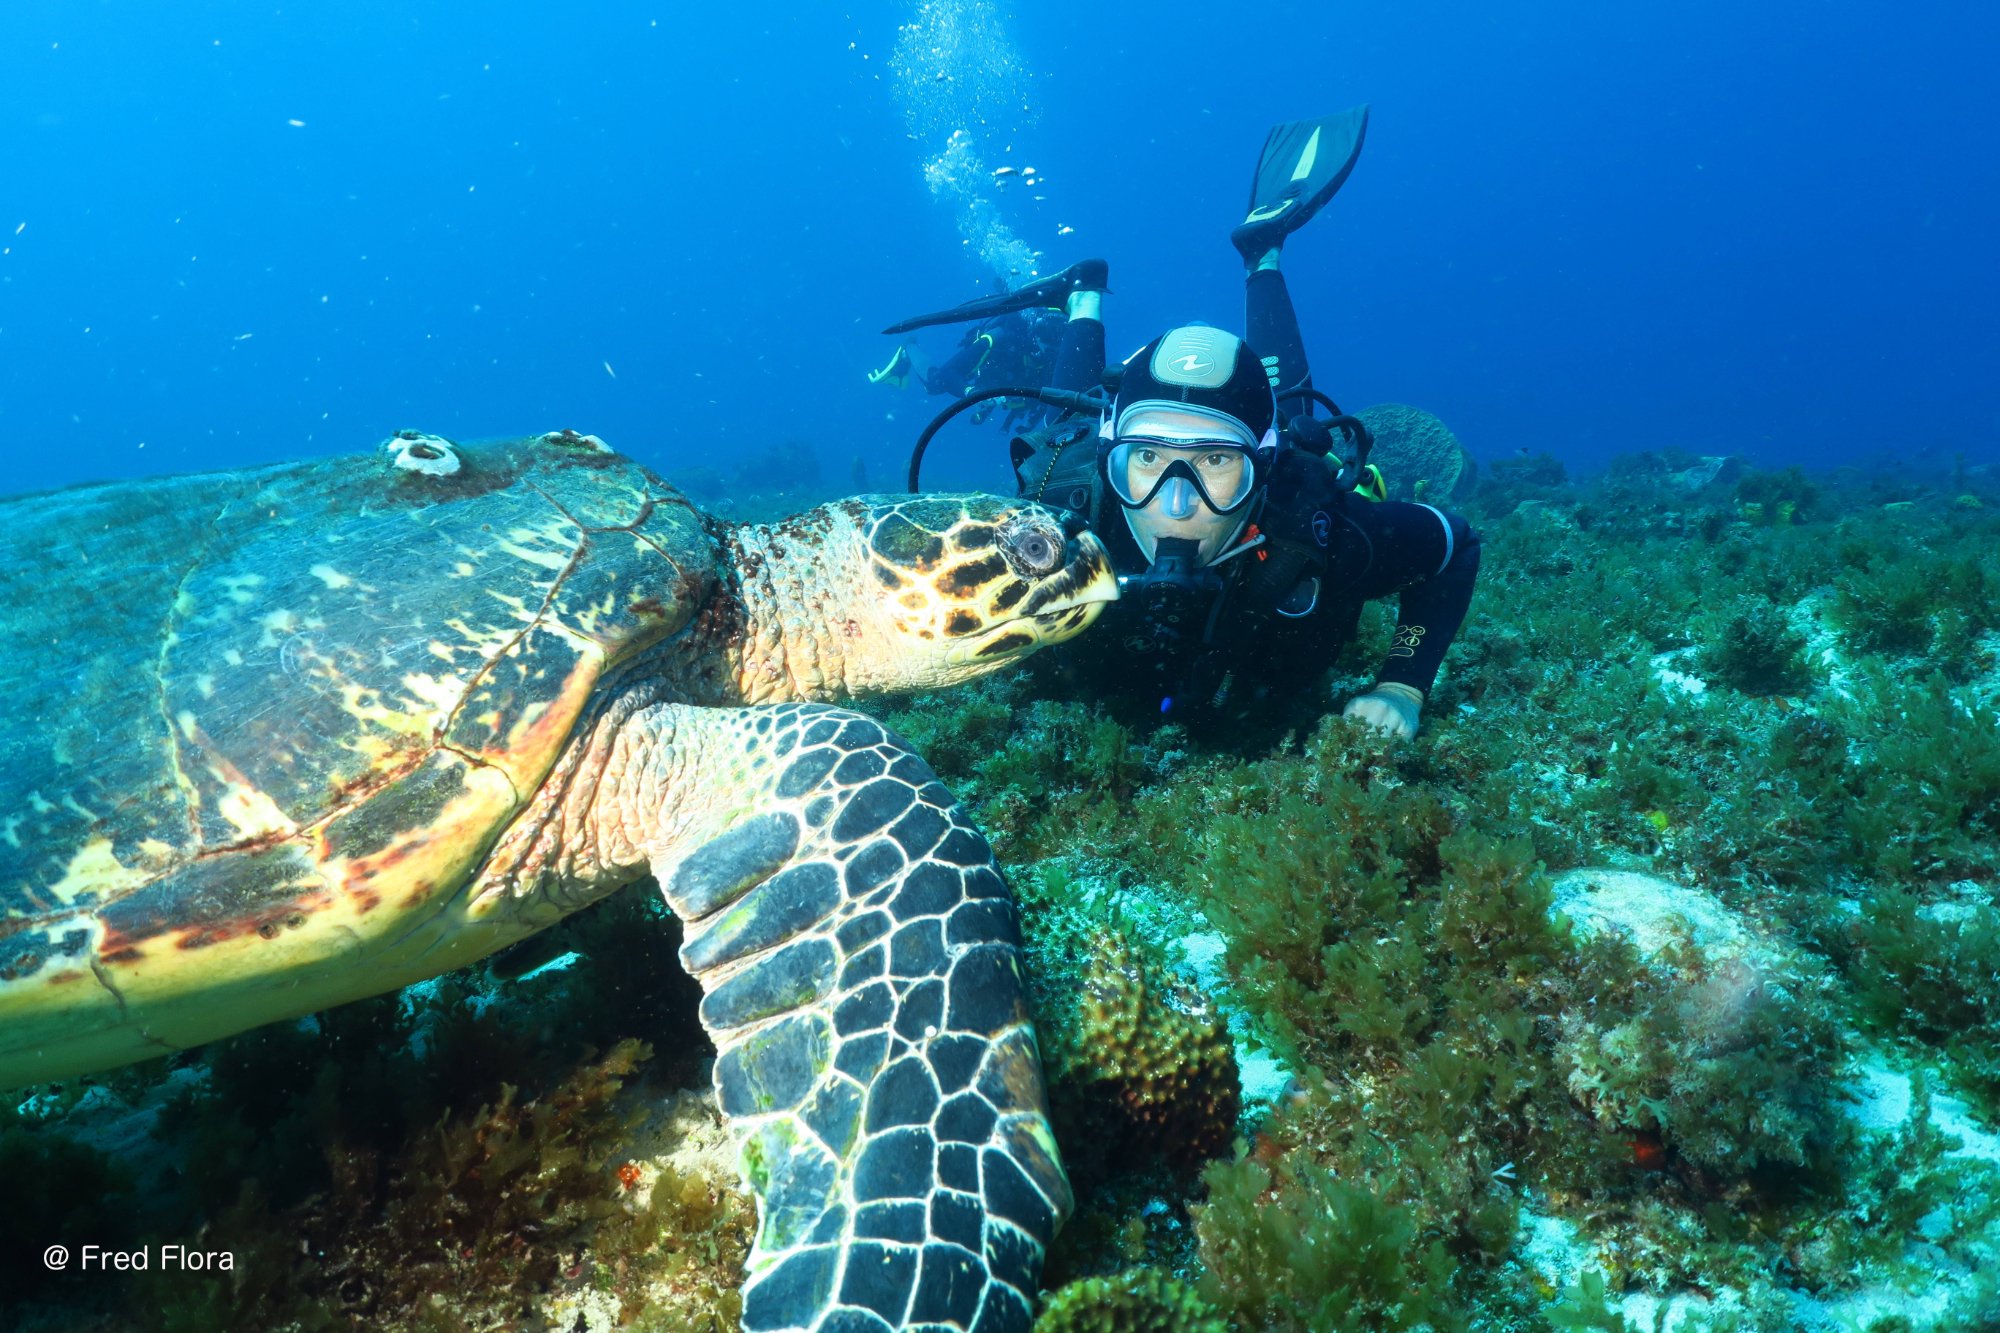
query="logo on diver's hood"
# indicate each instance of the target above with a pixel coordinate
(1322, 526)
(1195, 356)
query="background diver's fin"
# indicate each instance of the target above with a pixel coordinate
(1086, 275)
(896, 372)
(1304, 162)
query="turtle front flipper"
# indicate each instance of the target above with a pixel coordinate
(860, 958)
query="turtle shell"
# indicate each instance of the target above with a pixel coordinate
(266, 723)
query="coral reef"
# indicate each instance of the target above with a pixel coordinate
(1525, 478)
(480, 1218)
(1928, 599)
(1754, 649)
(1510, 1109)
(1651, 986)
(460, 1156)
(1419, 456)
(1139, 1068)
(1729, 1052)
(1927, 970)
(1776, 499)
(1296, 1247)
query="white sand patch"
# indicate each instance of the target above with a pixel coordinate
(1880, 1096)
(1878, 1093)
(1551, 1248)
(1263, 1077)
(1807, 617)
(1649, 911)
(1676, 681)
(1652, 913)
(1861, 1308)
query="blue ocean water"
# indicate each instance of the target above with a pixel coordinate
(235, 234)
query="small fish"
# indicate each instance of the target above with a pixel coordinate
(1065, 231)
(1647, 1150)
(609, 371)
(998, 172)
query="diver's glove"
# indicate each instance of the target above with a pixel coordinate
(1389, 707)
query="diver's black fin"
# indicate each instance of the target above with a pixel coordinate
(1303, 164)
(897, 372)
(1086, 275)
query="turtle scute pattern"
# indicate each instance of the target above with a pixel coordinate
(318, 698)
(860, 957)
(305, 698)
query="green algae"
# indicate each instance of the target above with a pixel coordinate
(1652, 679)
(445, 1159)
(1137, 1300)
(1790, 709)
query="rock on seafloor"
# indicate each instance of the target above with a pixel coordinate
(1875, 1091)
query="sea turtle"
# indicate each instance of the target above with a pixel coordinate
(286, 737)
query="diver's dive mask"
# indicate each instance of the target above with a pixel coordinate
(1184, 470)
(1174, 475)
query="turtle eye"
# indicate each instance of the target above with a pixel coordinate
(1037, 552)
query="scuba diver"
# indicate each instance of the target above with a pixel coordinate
(1246, 547)
(1016, 346)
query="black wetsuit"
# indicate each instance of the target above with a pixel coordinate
(1014, 348)
(1285, 608)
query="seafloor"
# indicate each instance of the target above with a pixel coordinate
(1655, 986)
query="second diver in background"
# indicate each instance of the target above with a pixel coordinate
(1015, 346)
(1245, 548)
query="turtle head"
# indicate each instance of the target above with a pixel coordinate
(967, 583)
(912, 592)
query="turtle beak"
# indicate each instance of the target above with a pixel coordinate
(1086, 580)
